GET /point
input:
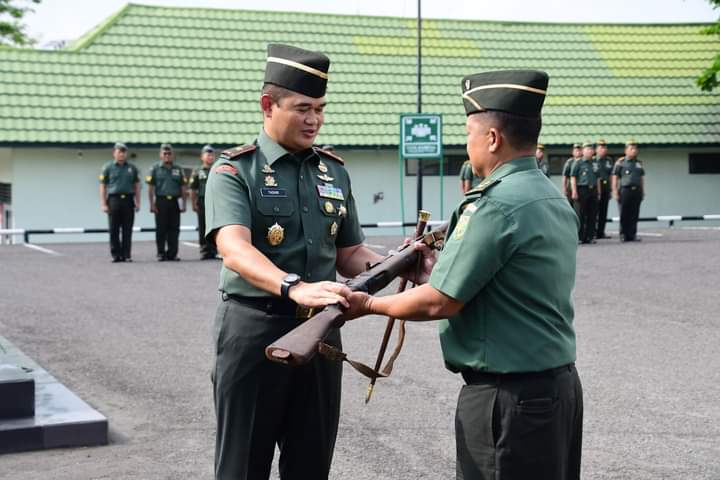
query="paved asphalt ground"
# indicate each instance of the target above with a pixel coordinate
(133, 340)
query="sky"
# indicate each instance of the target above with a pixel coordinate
(55, 20)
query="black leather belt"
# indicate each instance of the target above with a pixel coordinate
(121, 195)
(167, 197)
(631, 187)
(272, 306)
(474, 377)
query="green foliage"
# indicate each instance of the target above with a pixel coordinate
(708, 80)
(11, 29)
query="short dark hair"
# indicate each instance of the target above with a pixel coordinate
(521, 132)
(275, 92)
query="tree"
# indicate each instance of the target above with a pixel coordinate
(12, 32)
(709, 78)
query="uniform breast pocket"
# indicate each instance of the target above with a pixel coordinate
(275, 207)
(333, 212)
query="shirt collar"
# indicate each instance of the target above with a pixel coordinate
(270, 148)
(515, 165)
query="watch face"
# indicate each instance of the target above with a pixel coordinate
(292, 278)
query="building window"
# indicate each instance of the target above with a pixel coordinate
(431, 167)
(704, 162)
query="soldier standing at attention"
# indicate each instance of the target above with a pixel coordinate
(166, 190)
(605, 168)
(567, 169)
(468, 180)
(628, 183)
(585, 185)
(120, 199)
(283, 217)
(541, 162)
(198, 179)
(504, 281)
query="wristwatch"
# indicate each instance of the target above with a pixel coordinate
(290, 280)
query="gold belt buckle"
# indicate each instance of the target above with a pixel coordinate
(169, 197)
(303, 313)
(122, 196)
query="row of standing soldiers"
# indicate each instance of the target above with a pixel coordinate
(589, 178)
(167, 194)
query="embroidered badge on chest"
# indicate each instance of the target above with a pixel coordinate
(322, 167)
(270, 181)
(325, 178)
(267, 169)
(329, 207)
(333, 229)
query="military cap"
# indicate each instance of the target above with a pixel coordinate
(299, 70)
(587, 143)
(631, 143)
(540, 146)
(577, 145)
(601, 142)
(208, 148)
(166, 146)
(120, 146)
(518, 92)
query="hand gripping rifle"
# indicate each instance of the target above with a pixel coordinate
(300, 345)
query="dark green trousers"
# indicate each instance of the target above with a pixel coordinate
(520, 427)
(261, 404)
(630, 199)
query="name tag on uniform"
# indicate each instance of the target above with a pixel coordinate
(273, 192)
(330, 191)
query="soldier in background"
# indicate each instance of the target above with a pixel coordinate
(586, 192)
(604, 171)
(567, 169)
(167, 196)
(541, 162)
(198, 179)
(628, 183)
(120, 199)
(468, 180)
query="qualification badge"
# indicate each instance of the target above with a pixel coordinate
(322, 167)
(342, 211)
(325, 178)
(270, 181)
(329, 208)
(333, 229)
(267, 169)
(275, 235)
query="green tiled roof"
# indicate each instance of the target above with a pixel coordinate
(192, 76)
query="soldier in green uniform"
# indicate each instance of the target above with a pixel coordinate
(567, 169)
(120, 199)
(504, 281)
(628, 183)
(283, 217)
(167, 196)
(541, 161)
(468, 179)
(198, 179)
(605, 168)
(585, 184)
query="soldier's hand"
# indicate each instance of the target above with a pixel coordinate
(574, 196)
(360, 304)
(153, 209)
(195, 207)
(320, 294)
(105, 208)
(182, 209)
(137, 207)
(427, 262)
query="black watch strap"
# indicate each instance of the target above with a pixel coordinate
(290, 280)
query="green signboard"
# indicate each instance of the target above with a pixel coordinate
(421, 135)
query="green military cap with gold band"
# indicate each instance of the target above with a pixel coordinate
(517, 92)
(299, 70)
(577, 145)
(601, 142)
(587, 143)
(631, 143)
(540, 146)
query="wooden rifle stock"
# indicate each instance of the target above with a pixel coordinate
(300, 345)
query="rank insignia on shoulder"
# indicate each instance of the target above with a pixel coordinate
(225, 168)
(239, 150)
(329, 154)
(101, 177)
(483, 186)
(267, 169)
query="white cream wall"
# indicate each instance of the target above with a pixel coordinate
(6, 174)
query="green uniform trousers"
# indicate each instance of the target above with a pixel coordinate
(260, 404)
(520, 426)
(630, 199)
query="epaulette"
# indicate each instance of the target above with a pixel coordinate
(483, 186)
(330, 154)
(621, 159)
(237, 151)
